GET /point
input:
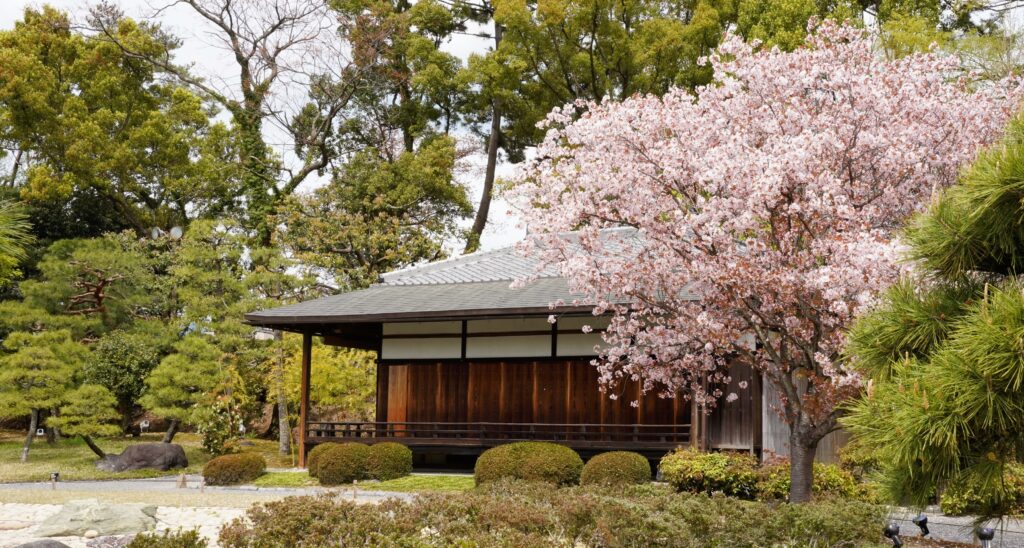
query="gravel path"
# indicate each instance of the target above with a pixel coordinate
(1009, 533)
(185, 507)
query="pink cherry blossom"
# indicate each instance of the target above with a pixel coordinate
(764, 209)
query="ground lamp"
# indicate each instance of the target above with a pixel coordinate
(921, 521)
(892, 532)
(985, 535)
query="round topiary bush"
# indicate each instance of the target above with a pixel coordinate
(531, 461)
(343, 463)
(234, 469)
(313, 458)
(616, 468)
(734, 474)
(389, 460)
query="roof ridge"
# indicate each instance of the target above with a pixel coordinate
(467, 258)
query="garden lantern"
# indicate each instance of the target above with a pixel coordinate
(921, 521)
(985, 535)
(892, 532)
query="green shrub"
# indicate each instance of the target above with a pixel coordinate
(530, 461)
(616, 468)
(829, 479)
(734, 474)
(313, 458)
(389, 460)
(343, 463)
(509, 513)
(234, 469)
(961, 498)
(177, 539)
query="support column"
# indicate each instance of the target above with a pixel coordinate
(307, 352)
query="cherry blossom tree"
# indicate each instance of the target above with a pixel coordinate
(763, 213)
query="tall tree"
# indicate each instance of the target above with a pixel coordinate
(764, 211)
(102, 142)
(15, 237)
(942, 348)
(551, 54)
(36, 374)
(378, 214)
(273, 45)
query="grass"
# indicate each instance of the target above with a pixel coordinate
(419, 483)
(73, 459)
(422, 483)
(285, 479)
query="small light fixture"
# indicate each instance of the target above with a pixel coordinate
(922, 522)
(985, 535)
(54, 476)
(892, 532)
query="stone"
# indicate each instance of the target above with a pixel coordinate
(43, 544)
(13, 525)
(78, 517)
(91, 533)
(162, 456)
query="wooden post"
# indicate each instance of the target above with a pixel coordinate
(307, 351)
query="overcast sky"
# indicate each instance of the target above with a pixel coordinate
(210, 60)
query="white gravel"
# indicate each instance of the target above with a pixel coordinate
(18, 522)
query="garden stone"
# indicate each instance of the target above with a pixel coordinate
(43, 544)
(163, 456)
(91, 533)
(78, 517)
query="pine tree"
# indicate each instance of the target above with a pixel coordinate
(183, 381)
(88, 411)
(943, 349)
(36, 374)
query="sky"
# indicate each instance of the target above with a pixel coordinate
(212, 61)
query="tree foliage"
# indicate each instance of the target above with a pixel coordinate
(942, 348)
(103, 142)
(185, 380)
(774, 226)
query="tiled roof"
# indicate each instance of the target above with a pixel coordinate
(465, 286)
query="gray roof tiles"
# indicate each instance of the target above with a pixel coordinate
(469, 285)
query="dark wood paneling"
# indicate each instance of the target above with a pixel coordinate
(552, 391)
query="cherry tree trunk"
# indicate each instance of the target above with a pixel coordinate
(801, 466)
(33, 423)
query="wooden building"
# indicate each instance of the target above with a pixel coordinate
(465, 362)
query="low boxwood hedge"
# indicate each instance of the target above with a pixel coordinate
(313, 458)
(518, 514)
(234, 469)
(616, 468)
(530, 461)
(343, 463)
(389, 460)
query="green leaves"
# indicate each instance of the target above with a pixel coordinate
(945, 349)
(185, 380)
(88, 411)
(38, 370)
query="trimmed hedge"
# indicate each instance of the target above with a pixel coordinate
(168, 539)
(734, 474)
(518, 514)
(829, 479)
(530, 461)
(234, 469)
(389, 460)
(616, 468)
(343, 463)
(960, 498)
(313, 458)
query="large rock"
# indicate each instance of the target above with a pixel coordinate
(79, 516)
(163, 456)
(43, 544)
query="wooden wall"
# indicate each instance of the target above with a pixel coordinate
(776, 432)
(555, 391)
